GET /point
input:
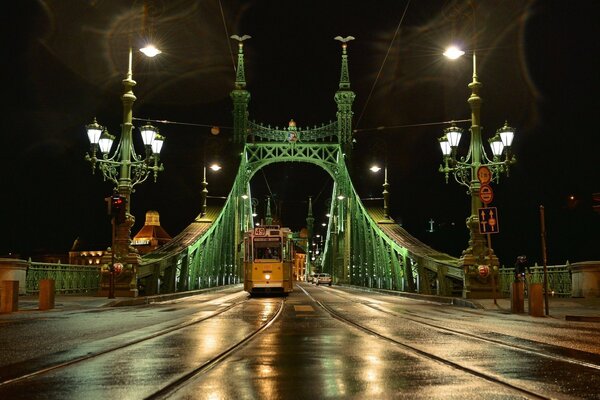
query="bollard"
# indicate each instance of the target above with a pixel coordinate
(536, 303)
(517, 297)
(46, 294)
(10, 297)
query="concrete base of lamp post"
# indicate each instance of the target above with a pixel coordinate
(125, 275)
(585, 279)
(12, 269)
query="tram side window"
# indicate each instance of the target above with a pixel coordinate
(267, 251)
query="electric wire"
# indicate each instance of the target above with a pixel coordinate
(381, 128)
(382, 64)
(227, 37)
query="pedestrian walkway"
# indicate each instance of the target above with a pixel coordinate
(565, 308)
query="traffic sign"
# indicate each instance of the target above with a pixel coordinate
(488, 220)
(484, 175)
(486, 194)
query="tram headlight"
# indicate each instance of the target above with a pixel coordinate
(267, 276)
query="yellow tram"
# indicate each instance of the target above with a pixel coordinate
(268, 255)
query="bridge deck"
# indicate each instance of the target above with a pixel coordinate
(402, 238)
(180, 242)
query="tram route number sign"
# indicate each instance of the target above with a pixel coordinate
(488, 220)
(486, 194)
(484, 175)
(260, 231)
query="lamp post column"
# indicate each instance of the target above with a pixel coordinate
(125, 278)
(477, 253)
(386, 195)
(204, 193)
(123, 231)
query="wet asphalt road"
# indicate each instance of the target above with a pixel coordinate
(415, 349)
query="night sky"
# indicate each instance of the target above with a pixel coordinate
(537, 61)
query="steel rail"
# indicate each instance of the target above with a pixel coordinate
(183, 380)
(424, 354)
(511, 346)
(92, 355)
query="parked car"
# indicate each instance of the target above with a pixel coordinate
(322, 279)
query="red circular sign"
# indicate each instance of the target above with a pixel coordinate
(484, 174)
(484, 270)
(118, 268)
(486, 194)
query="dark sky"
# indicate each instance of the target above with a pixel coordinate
(536, 60)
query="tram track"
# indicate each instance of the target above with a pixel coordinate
(422, 353)
(182, 381)
(505, 344)
(92, 355)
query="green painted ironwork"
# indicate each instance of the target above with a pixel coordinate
(559, 279)
(68, 279)
(362, 246)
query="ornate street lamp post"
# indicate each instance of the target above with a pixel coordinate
(215, 168)
(465, 171)
(125, 168)
(386, 192)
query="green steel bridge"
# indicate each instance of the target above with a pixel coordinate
(363, 246)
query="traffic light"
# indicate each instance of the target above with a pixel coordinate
(118, 208)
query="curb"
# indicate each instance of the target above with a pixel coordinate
(137, 301)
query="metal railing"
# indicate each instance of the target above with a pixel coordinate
(68, 278)
(559, 279)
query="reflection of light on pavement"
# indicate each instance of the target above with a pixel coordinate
(265, 370)
(266, 312)
(372, 369)
(209, 342)
(266, 378)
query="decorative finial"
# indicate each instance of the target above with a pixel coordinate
(344, 40)
(345, 76)
(240, 77)
(240, 39)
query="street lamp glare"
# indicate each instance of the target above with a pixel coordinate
(215, 167)
(375, 168)
(245, 196)
(507, 134)
(341, 197)
(496, 145)
(453, 134)
(94, 130)
(148, 133)
(453, 52)
(157, 143)
(150, 51)
(105, 142)
(445, 146)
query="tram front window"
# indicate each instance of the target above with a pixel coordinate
(267, 251)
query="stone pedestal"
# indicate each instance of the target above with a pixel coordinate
(12, 269)
(125, 275)
(585, 279)
(517, 297)
(47, 293)
(536, 300)
(9, 296)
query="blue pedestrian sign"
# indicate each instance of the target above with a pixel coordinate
(488, 220)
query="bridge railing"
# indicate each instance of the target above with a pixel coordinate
(68, 278)
(559, 279)
(266, 133)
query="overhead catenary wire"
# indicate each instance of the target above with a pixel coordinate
(377, 128)
(227, 37)
(382, 128)
(382, 64)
